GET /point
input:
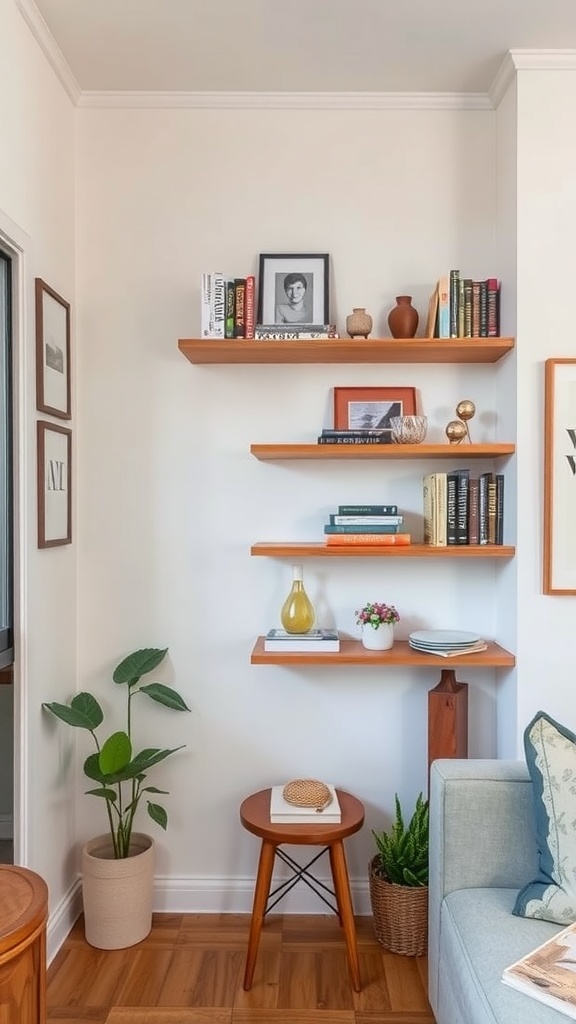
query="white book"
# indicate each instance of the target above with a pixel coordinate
(206, 306)
(281, 812)
(213, 305)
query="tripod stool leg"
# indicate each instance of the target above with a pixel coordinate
(261, 891)
(344, 900)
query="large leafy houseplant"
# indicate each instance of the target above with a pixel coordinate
(402, 856)
(120, 773)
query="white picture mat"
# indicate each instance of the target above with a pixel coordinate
(55, 352)
(292, 265)
(56, 477)
(563, 480)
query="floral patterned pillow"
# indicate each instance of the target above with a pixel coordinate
(551, 759)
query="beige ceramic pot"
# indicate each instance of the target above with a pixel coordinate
(117, 894)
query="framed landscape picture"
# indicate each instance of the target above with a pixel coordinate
(54, 484)
(559, 576)
(52, 352)
(293, 288)
(371, 408)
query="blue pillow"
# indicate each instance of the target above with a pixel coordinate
(551, 759)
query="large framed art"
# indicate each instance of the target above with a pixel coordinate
(293, 288)
(54, 484)
(52, 352)
(559, 575)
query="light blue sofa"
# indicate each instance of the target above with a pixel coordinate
(482, 851)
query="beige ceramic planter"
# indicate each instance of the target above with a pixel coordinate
(117, 894)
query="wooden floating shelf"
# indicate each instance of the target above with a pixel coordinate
(271, 452)
(401, 654)
(317, 549)
(344, 350)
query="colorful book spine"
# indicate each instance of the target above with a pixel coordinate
(354, 439)
(473, 522)
(444, 307)
(281, 334)
(451, 504)
(492, 509)
(493, 290)
(454, 300)
(367, 510)
(229, 320)
(370, 539)
(462, 493)
(499, 508)
(338, 520)
(467, 319)
(461, 308)
(219, 298)
(483, 309)
(441, 504)
(475, 309)
(429, 509)
(239, 307)
(250, 308)
(330, 528)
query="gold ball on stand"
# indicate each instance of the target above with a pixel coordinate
(456, 431)
(465, 410)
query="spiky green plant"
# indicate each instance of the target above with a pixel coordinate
(403, 852)
(119, 772)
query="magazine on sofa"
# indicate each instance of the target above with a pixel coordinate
(548, 973)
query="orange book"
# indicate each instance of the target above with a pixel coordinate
(383, 539)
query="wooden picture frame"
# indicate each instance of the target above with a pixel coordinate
(559, 575)
(371, 408)
(293, 289)
(53, 391)
(54, 484)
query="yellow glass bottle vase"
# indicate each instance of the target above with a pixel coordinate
(297, 615)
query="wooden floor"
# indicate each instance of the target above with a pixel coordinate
(190, 969)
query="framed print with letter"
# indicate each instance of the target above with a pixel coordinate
(52, 352)
(559, 575)
(54, 471)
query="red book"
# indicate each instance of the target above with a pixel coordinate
(249, 315)
(373, 539)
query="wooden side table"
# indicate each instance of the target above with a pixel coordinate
(23, 915)
(255, 817)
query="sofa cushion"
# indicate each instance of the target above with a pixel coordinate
(551, 758)
(479, 937)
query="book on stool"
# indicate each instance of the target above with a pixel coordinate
(284, 813)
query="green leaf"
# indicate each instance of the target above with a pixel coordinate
(154, 789)
(158, 814)
(92, 768)
(165, 695)
(140, 765)
(115, 753)
(137, 664)
(108, 794)
(84, 712)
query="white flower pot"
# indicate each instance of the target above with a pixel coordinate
(117, 894)
(380, 639)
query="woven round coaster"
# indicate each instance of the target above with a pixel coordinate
(307, 793)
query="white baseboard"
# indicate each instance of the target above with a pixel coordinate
(205, 896)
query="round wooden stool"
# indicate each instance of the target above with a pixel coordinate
(255, 817)
(23, 914)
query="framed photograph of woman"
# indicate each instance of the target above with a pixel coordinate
(293, 289)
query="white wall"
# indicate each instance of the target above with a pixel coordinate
(37, 206)
(170, 498)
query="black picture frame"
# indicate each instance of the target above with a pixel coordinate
(274, 303)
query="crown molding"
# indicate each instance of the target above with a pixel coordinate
(528, 60)
(49, 47)
(288, 100)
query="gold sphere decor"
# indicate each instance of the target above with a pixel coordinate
(458, 429)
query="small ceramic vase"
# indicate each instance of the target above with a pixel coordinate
(380, 639)
(358, 323)
(403, 318)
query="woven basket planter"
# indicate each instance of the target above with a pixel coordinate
(400, 914)
(117, 894)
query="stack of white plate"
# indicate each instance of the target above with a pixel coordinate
(433, 640)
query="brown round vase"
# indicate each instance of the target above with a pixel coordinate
(403, 318)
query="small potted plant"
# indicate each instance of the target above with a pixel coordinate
(117, 916)
(398, 876)
(377, 621)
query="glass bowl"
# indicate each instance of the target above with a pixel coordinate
(408, 429)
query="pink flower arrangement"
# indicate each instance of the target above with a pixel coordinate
(375, 613)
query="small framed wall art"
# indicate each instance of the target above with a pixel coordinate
(293, 288)
(54, 472)
(371, 408)
(559, 576)
(52, 352)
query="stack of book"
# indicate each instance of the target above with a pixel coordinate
(461, 307)
(463, 509)
(315, 641)
(366, 524)
(295, 332)
(330, 436)
(228, 306)
(283, 813)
